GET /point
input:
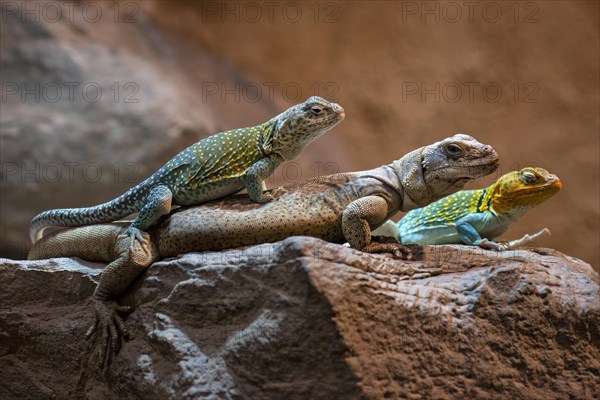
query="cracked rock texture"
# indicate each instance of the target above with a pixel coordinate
(305, 319)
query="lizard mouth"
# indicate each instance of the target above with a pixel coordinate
(471, 171)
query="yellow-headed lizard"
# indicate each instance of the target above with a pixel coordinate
(476, 217)
(214, 167)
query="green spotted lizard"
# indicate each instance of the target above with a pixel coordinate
(337, 208)
(476, 217)
(217, 166)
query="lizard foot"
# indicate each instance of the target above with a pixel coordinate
(136, 235)
(140, 249)
(266, 197)
(527, 238)
(502, 246)
(489, 244)
(111, 327)
(384, 244)
(278, 192)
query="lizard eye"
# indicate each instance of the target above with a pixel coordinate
(453, 150)
(529, 177)
(316, 110)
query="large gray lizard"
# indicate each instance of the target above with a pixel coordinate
(217, 166)
(337, 208)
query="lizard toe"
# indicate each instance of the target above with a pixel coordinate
(111, 325)
(135, 235)
(487, 244)
(92, 330)
(396, 249)
(277, 192)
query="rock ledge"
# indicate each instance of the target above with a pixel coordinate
(303, 318)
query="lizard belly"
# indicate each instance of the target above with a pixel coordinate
(191, 195)
(436, 234)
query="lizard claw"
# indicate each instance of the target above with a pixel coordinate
(111, 326)
(403, 252)
(385, 244)
(271, 195)
(135, 234)
(140, 245)
(489, 245)
(278, 192)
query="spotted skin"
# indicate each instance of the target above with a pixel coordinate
(336, 208)
(476, 217)
(214, 167)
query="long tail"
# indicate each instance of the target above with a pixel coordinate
(128, 203)
(92, 243)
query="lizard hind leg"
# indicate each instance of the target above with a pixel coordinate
(158, 203)
(512, 244)
(527, 238)
(129, 261)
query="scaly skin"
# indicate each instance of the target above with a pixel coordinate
(336, 208)
(476, 217)
(214, 167)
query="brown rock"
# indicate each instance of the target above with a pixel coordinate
(303, 318)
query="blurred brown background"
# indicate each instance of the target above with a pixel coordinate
(522, 77)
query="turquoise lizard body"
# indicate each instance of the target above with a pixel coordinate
(214, 167)
(476, 217)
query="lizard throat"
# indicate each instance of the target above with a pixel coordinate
(393, 181)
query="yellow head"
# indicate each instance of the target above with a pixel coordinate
(518, 191)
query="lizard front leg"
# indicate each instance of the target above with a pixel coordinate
(131, 260)
(469, 235)
(158, 203)
(467, 232)
(356, 226)
(255, 179)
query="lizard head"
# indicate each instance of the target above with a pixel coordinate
(518, 191)
(440, 169)
(301, 124)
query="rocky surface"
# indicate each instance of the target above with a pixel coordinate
(304, 319)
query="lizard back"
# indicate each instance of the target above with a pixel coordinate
(312, 208)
